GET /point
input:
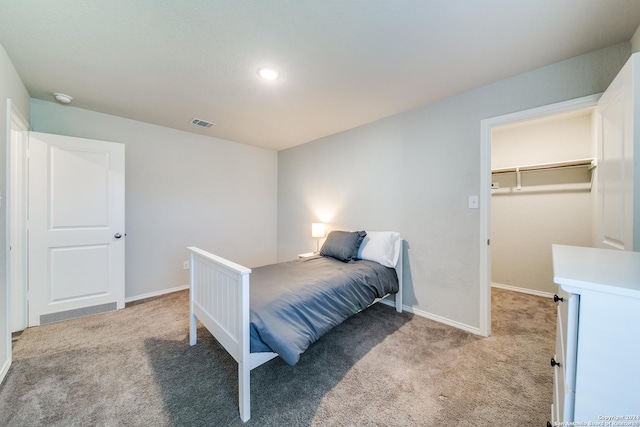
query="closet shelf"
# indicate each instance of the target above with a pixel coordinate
(591, 163)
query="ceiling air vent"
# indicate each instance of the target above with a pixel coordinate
(201, 123)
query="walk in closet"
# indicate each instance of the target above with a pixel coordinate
(543, 192)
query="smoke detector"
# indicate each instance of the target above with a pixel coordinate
(62, 98)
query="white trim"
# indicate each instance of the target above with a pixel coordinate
(5, 358)
(5, 369)
(17, 222)
(486, 127)
(12, 116)
(387, 301)
(522, 290)
(485, 228)
(435, 317)
(156, 293)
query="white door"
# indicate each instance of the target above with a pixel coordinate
(616, 160)
(75, 226)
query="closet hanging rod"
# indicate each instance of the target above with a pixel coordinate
(544, 166)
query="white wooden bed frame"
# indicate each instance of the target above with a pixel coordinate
(219, 298)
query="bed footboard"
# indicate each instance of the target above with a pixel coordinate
(219, 298)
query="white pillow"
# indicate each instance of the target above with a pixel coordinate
(382, 247)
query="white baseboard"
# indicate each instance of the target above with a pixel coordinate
(5, 369)
(389, 302)
(156, 293)
(439, 319)
(523, 290)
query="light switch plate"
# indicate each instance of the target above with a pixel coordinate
(473, 202)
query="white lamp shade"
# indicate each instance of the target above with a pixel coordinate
(317, 229)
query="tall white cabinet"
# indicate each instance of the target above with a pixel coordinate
(597, 360)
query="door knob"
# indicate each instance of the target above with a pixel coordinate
(117, 235)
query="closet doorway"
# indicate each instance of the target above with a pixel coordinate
(533, 207)
(542, 174)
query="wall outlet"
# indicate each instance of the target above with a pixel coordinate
(185, 265)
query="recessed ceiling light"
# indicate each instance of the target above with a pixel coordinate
(62, 98)
(268, 73)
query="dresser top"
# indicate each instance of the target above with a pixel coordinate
(578, 268)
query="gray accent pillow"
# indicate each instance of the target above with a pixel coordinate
(343, 245)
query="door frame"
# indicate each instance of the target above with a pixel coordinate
(17, 221)
(13, 118)
(486, 126)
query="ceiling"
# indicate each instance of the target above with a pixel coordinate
(343, 63)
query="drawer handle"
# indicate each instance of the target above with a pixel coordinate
(554, 363)
(556, 298)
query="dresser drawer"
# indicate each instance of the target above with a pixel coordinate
(564, 359)
(563, 307)
(570, 334)
(563, 401)
(567, 336)
(558, 363)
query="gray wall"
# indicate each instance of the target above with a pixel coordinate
(10, 87)
(414, 172)
(182, 189)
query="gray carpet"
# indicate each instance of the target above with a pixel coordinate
(379, 368)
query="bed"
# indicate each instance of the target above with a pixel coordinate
(291, 304)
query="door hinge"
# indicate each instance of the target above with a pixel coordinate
(488, 242)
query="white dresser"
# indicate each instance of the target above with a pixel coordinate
(597, 360)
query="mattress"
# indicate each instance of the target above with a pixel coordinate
(294, 303)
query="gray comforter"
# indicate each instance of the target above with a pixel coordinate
(294, 303)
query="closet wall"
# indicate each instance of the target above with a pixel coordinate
(551, 206)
